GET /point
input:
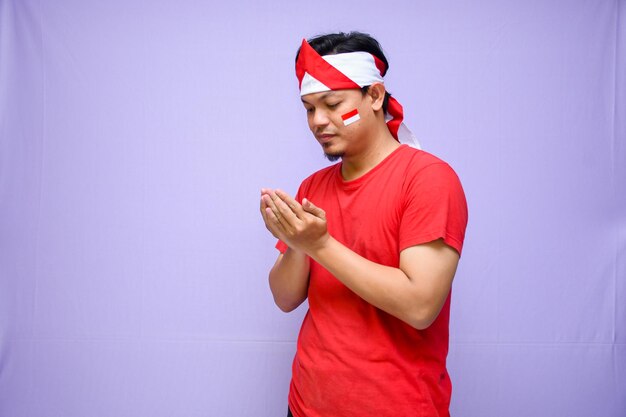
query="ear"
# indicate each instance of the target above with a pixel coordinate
(377, 94)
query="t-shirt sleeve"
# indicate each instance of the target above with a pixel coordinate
(434, 208)
(281, 246)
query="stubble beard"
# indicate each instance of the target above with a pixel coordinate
(333, 157)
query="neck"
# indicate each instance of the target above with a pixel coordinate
(354, 166)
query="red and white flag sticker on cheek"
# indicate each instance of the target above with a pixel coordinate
(351, 117)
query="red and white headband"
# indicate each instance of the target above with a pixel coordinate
(349, 70)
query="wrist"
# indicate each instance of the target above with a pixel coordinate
(321, 246)
(291, 251)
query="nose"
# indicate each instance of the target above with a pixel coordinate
(319, 118)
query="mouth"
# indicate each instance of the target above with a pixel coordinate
(325, 138)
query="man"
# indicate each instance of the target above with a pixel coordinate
(373, 242)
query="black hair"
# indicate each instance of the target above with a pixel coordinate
(338, 43)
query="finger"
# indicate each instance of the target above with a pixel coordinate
(309, 207)
(291, 203)
(282, 211)
(274, 223)
(262, 209)
(285, 217)
(266, 218)
(262, 203)
(270, 197)
(265, 191)
(275, 228)
(285, 213)
(270, 204)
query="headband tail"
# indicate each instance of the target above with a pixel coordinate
(394, 109)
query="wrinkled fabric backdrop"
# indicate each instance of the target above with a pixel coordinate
(135, 136)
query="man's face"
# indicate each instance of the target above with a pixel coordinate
(324, 111)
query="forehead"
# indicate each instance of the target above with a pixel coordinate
(333, 94)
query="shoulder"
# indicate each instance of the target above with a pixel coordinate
(429, 180)
(421, 158)
(426, 167)
(434, 203)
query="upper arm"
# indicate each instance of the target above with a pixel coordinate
(430, 267)
(432, 231)
(434, 207)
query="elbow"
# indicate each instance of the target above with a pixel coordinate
(421, 319)
(420, 324)
(286, 296)
(287, 299)
(286, 306)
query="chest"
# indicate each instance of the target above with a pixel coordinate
(366, 218)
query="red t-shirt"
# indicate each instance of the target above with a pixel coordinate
(353, 359)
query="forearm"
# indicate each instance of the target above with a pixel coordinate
(414, 292)
(388, 288)
(289, 279)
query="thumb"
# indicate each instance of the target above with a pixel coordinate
(313, 209)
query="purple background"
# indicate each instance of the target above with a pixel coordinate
(134, 139)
